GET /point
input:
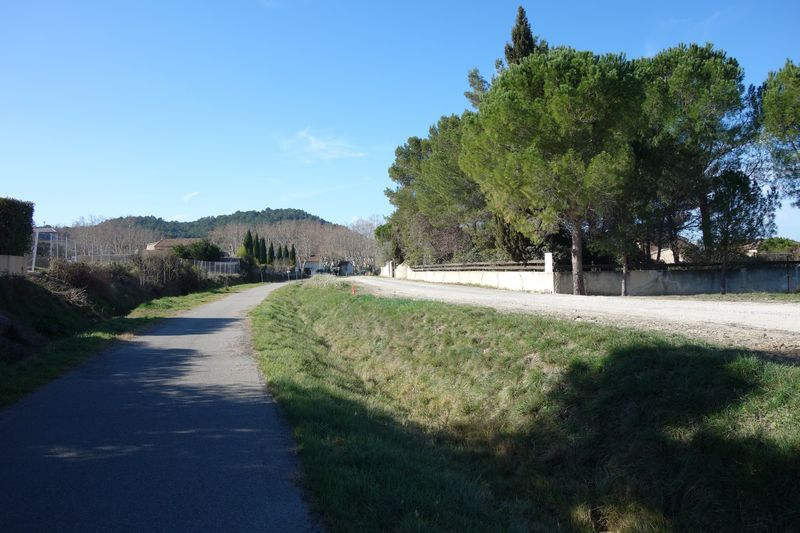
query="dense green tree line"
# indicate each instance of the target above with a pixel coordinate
(598, 156)
(255, 250)
(202, 226)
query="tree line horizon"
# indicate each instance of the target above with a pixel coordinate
(599, 157)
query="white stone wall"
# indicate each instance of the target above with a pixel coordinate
(511, 280)
(12, 264)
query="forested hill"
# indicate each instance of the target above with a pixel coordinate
(202, 226)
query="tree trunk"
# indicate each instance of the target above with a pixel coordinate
(705, 224)
(724, 281)
(577, 260)
(675, 251)
(624, 291)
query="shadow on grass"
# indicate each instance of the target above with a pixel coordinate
(643, 439)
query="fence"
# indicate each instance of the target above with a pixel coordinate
(537, 265)
(218, 267)
(50, 246)
(683, 278)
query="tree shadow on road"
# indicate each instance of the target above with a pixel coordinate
(136, 439)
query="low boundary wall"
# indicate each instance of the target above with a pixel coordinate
(516, 280)
(780, 277)
(763, 277)
(12, 264)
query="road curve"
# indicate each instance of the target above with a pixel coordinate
(773, 327)
(172, 430)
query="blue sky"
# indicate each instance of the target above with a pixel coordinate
(186, 109)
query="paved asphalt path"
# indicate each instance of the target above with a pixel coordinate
(172, 430)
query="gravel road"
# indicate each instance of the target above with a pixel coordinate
(771, 327)
(170, 431)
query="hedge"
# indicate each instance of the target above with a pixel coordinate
(16, 226)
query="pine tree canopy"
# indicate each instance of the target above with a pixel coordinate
(523, 43)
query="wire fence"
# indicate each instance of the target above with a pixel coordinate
(48, 247)
(229, 268)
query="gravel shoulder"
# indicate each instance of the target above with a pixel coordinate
(171, 430)
(766, 326)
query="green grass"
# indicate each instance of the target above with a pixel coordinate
(19, 378)
(784, 297)
(414, 415)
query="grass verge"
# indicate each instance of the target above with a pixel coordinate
(413, 415)
(19, 378)
(780, 297)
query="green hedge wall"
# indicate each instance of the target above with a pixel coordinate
(16, 226)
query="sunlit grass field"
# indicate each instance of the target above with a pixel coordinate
(413, 415)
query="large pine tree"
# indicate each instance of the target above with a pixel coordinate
(523, 42)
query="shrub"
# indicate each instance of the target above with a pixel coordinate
(16, 226)
(201, 250)
(778, 245)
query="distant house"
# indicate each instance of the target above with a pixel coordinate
(665, 254)
(165, 245)
(345, 268)
(310, 265)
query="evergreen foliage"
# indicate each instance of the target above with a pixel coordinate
(568, 147)
(271, 254)
(16, 226)
(523, 43)
(262, 251)
(782, 125)
(202, 226)
(201, 250)
(248, 243)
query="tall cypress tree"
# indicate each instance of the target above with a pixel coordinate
(248, 243)
(292, 255)
(256, 244)
(262, 250)
(523, 43)
(271, 254)
(285, 252)
(279, 255)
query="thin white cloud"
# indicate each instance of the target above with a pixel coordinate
(189, 196)
(305, 145)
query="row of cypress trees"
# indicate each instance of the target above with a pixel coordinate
(256, 247)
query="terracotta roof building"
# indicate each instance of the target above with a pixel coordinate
(166, 244)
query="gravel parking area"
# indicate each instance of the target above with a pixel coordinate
(767, 326)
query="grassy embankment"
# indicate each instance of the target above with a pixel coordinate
(778, 297)
(68, 334)
(414, 415)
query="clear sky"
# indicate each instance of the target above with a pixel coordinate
(183, 109)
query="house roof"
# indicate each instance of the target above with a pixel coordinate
(166, 244)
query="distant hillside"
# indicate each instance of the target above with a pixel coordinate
(202, 226)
